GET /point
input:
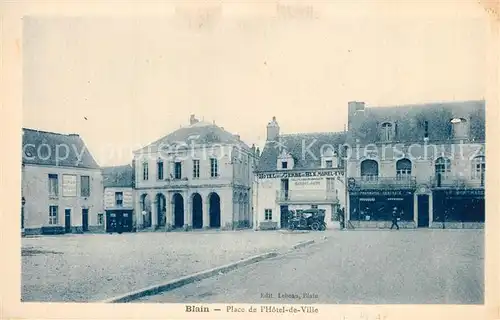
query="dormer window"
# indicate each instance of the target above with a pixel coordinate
(460, 128)
(284, 164)
(329, 163)
(285, 161)
(386, 131)
(329, 158)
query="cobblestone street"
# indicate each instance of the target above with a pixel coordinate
(356, 267)
(94, 267)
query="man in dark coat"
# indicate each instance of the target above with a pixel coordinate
(395, 216)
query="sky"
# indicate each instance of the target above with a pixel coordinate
(123, 82)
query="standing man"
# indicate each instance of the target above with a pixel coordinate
(395, 217)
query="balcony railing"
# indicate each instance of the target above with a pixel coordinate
(291, 196)
(456, 182)
(376, 182)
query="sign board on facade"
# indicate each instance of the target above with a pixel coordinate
(307, 183)
(284, 175)
(69, 185)
(110, 200)
(392, 193)
(465, 192)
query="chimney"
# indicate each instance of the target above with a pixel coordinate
(237, 136)
(355, 109)
(193, 120)
(258, 152)
(253, 148)
(273, 130)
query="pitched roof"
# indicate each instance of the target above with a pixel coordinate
(56, 149)
(410, 121)
(305, 148)
(201, 132)
(118, 176)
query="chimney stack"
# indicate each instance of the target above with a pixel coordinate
(273, 130)
(237, 136)
(258, 152)
(193, 120)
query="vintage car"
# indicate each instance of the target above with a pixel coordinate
(308, 219)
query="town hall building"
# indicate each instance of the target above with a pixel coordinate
(299, 171)
(197, 177)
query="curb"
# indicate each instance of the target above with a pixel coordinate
(134, 295)
(303, 244)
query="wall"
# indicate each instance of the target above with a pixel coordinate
(35, 186)
(109, 197)
(266, 198)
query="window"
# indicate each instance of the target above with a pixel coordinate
(53, 215)
(53, 185)
(329, 163)
(119, 199)
(213, 168)
(268, 214)
(369, 170)
(386, 131)
(196, 168)
(178, 170)
(159, 165)
(442, 168)
(403, 169)
(314, 206)
(478, 168)
(69, 185)
(426, 129)
(100, 219)
(284, 164)
(85, 186)
(145, 171)
(459, 127)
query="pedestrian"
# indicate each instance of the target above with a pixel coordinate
(395, 218)
(342, 219)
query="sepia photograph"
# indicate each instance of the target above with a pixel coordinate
(268, 159)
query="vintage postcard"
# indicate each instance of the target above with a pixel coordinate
(225, 159)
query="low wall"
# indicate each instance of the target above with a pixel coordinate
(381, 224)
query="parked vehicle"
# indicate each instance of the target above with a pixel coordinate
(309, 219)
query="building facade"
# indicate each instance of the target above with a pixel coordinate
(62, 185)
(427, 161)
(299, 171)
(199, 176)
(119, 198)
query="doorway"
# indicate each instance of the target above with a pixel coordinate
(85, 220)
(284, 216)
(67, 220)
(214, 210)
(423, 211)
(197, 211)
(178, 203)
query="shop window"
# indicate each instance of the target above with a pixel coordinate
(268, 214)
(369, 170)
(478, 168)
(403, 169)
(442, 168)
(386, 132)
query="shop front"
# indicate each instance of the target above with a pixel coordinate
(119, 221)
(373, 208)
(458, 208)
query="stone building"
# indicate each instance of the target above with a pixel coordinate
(62, 186)
(199, 176)
(119, 198)
(426, 160)
(299, 171)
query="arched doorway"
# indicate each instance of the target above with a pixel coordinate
(214, 210)
(146, 210)
(178, 203)
(161, 209)
(197, 211)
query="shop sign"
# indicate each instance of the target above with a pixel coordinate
(69, 185)
(381, 193)
(307, 183)
(301, 174)
(471, 192)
